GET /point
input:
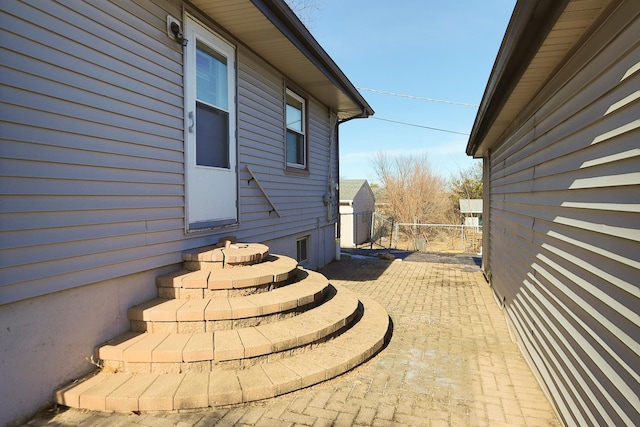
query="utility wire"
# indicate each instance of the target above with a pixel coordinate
(419, 126)
(419, 98)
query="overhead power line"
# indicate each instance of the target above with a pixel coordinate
(420, 126)
(419, 98)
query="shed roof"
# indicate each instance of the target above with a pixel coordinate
(471, 206)
(536, 44)
(349, 188)
(272, 30)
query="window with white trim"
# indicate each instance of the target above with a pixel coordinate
(296, 148)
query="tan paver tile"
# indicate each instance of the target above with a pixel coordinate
(141, 311)
(218, 309)
(227, 345)
(255, 344)
(224, 388)
(196, 279)
(165, 312)
(171, 280)
(255, 384)
(125, 398)
(112, 350)
(280, 336)
(283, 378)
(160, 394)
(70, 395)
(199, 347)
(192, 310)
(193, 391)
(171, 349)
(242, 308)
(311, 370)
(141, 350)
(95, 397)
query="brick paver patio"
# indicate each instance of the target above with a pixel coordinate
(450, 362)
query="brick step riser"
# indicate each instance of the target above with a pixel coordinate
(186, 327)
(206, 293)
(211, 316)
(233, 364)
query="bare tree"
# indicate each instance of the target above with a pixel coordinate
(415, 193)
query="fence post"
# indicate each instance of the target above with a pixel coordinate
(395, 230)
(371, 235)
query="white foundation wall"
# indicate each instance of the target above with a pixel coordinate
(321, 248)
(47, 341)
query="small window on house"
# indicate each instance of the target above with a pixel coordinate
(301, 249)
(296, 132)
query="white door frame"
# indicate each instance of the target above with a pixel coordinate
(211, 193)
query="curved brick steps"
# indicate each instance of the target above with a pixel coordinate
(152, 392)
(168, 352)
(229, 254)
(274, 271)
(237, 324)
(205, 315)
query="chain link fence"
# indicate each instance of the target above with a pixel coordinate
(385, 233)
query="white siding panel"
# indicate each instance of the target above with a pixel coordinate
(564, 240)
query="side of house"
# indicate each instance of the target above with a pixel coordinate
(357, 204)
(558, 129)
(106, 180)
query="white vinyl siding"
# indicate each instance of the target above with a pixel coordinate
(564, 224)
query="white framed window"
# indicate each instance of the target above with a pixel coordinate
(296, 138)
(302, 249)
(212, 106)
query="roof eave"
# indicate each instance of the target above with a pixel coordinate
(530, 24)
(290, 25)
(271, 30)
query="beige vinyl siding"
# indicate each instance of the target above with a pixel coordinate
(564, 229)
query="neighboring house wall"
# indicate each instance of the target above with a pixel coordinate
(563, 254)
(93, 185)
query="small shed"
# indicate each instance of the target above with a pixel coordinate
(357, 204)
(471, 212)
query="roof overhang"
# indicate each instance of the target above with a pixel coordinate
(273, 31)
(540, 36)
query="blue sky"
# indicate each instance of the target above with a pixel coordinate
(426, 48)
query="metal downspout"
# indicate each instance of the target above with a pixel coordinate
(339, 221)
